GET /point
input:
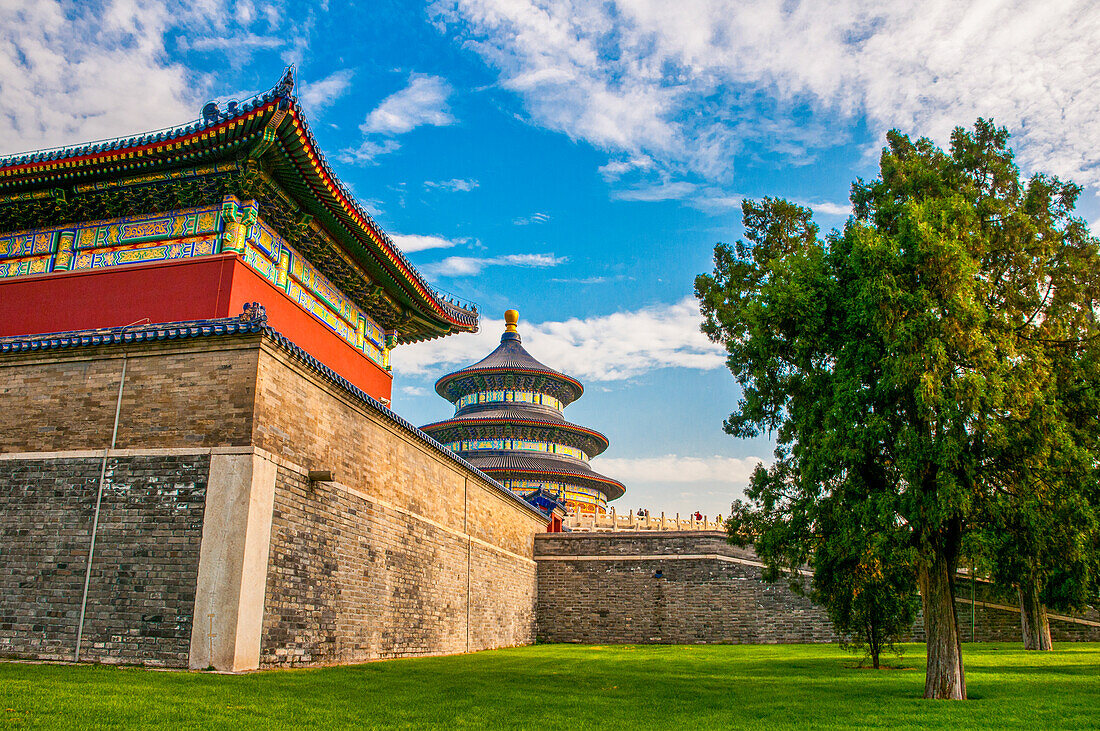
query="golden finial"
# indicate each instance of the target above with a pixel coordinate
(511, 319)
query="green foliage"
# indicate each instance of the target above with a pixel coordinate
(928, 373)
(863, 576)
(861, 564)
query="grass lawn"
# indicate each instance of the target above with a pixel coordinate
(575, 687)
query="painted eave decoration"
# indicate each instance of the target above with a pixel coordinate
(262, 141)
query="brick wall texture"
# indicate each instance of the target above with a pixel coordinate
(987, 621)
(406, 554)
(603, 588)
(696, 599)
(142, 589)
(194, 394)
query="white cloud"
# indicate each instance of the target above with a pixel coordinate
(317, 95)
(613, 347)
(409, 243)
(456, 185)
(245, 12)
(533, 218)
(651, 193)
(828, 209)
(592, 280)
(615, 169)
(679, 483)
(236, 43)
(696, 83)
(73, 74)
(715, 200)
(675, 469)
(468, 266)
(368, 150)
(414, 391)
(422, 102)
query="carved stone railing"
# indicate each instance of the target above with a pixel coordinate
(640, 521)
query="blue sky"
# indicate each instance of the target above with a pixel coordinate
(579, 160)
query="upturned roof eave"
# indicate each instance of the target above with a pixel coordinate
(441, 385)
(617, 489)
(564, 426)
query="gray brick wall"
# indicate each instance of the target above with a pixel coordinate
(619, 599)
(197, 393)
(701, 598)
(142, 590)
(353, 579)
(980, 623)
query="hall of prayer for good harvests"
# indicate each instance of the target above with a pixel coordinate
(508, 423)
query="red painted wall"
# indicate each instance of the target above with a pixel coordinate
(186, 289)
(306, 331)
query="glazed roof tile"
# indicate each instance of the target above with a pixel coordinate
(467, 424)
(509, 357)
(544, 415)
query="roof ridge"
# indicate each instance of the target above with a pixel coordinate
(193, 125)
(446, 308)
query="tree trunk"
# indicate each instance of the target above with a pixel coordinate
(1033, 616)
(874, 643)
(944, 677)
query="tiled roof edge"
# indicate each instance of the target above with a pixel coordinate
(462, 315)
(566, 426)
(445, 380)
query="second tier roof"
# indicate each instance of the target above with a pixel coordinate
(517, 424)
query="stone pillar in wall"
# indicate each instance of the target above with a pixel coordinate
(236, 538)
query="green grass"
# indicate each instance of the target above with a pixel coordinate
(575, 687)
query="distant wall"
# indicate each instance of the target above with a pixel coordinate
(995, 617)
(605, 588)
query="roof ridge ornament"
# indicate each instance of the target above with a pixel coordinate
(286, 84)
(511, 332)
(254, 312)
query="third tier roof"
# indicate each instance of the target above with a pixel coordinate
(509, 366)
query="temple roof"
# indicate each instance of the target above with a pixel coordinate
(511, 367)
(509, 359)
(262, 149)
(522, 466)
(495, 423)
